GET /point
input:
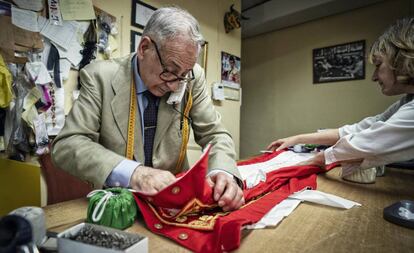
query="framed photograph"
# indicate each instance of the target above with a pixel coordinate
(342, 62)
(230, 69)
(202, 58)
(5, 9)
(135, 39)
(141, 12)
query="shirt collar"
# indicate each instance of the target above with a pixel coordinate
(139, 84)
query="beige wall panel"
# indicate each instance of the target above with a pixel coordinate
(279, 98)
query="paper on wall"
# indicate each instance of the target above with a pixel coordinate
(55, 16)
(25, 19)
(34, 5)
(38, 73)
(77, 9)
(44, 55)
(60, 35)
(64, 68)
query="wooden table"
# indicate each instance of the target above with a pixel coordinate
(310, 228)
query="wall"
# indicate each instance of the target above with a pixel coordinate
(210, 16)
(279, 98)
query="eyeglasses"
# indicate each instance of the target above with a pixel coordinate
(168, 76)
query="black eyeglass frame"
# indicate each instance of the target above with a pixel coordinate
(166, 72)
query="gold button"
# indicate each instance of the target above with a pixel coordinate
(183, 236)
(175, 190)
(158, 226)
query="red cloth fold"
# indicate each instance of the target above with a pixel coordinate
(187, 213)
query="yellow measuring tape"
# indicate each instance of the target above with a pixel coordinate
(185, 132)
(131, 122)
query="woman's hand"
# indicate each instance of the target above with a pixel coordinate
(283, 143)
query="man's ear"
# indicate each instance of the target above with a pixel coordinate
(143, 47)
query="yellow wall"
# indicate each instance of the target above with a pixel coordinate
(279, 98)
(210, 16)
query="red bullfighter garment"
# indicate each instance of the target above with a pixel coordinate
(187, 213)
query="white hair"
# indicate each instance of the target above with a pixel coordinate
(171, 22)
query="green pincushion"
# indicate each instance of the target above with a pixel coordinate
(113, 207)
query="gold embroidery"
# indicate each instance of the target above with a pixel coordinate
(193, 208)
(181, 219)
(208, 214)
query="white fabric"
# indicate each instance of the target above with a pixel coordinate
(255, 173)
(322, 198)
(378, 140)
(255, 179)
(276, 214)
(285, 159)
(286, 207)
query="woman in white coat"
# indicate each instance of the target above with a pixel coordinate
(387, 137)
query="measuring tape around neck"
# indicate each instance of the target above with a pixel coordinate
(185, 132)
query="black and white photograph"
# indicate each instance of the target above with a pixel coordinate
(135, 39)
(141, 12)
(337, 63)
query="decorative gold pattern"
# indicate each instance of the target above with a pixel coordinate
(181, 219)
(208, 214)
(194, 208)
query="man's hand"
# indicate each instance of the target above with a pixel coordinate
(226, 191)
(150, 180)
(282, 143)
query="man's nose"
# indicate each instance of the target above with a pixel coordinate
(173, 86)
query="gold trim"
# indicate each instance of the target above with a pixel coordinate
(196, 225)
(185, 132)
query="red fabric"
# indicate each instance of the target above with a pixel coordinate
(222, 232)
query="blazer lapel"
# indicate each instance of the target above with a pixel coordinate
(121, 85)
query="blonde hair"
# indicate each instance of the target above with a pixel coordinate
(397, 44)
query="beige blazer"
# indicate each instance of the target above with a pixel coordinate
(93, 140)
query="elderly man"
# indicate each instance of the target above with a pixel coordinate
(122, 112)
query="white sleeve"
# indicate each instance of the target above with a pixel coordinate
(369, 121)
(383, 142)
